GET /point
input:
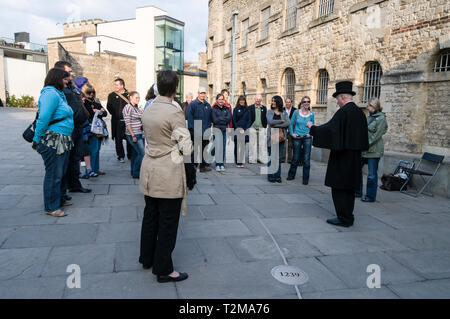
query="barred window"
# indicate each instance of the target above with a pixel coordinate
(326, 7)
(245, 25)
(289, 84)
(265, 14)
(291, 14)
(442, 63)
(322, 87)
(372, 76)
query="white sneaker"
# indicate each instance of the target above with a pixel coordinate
(222, 168)
(218, 169)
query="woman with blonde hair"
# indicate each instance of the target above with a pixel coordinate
(377, 126)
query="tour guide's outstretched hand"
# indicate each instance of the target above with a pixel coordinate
(309, 124)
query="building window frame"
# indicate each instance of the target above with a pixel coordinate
(244, 38)
(291, 14)
(288, 84)
(210, 47)
(265, 18)
(442, 62)
(322, 87)
(326, 7)
(372, 80)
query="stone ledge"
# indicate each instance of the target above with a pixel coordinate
(274, 17)
(403, 77)
(304, 3)
(227, 55)
(367, 3)
(219, 44)
(331, 17)
(242, 50)
(253, 27)
(261, 43)
(288, 33)
(209, 61)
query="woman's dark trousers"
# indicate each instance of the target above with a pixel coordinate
(159, 233)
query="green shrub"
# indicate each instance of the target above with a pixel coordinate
(25, 101)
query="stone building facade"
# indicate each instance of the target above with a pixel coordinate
(397, 50)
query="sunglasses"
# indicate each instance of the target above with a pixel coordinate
(306, 101)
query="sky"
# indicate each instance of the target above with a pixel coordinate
(44, 18)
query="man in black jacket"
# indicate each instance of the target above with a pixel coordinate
(346, 135)
(80, 149)
(258, 131)
(290, 109)
(116, 102)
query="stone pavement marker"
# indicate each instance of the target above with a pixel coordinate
(222, 244)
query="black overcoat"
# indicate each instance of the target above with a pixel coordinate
(346, 135)
(115, 107)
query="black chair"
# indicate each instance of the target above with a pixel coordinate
(433, 158)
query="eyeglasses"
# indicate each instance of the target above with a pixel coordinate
(306, 101)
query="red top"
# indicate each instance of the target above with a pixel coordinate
(231, 110)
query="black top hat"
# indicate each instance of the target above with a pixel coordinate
(344, 87)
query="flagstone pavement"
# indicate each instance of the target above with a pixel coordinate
(238, 228)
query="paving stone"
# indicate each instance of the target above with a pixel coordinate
(226, 199)
(246, 189)
(22, 263)
(248, 280)
(199, 200)
(427, 237)
(116, 233)
(362, 293)
(298, 225)
(35, 288)
(25, 218)
(98, 189)
(364, 223)
(21, 180)
(124, 189)
(21, 190)
(254, 225)
(280, 189)
(4, 233)
(226, 212)
(401, 220)
(295, 246)
(352, 269)
(430, 289)
(429, 264)
(51, 235)
(85, 215)
(92, 259)
(293, 210)
(9, 201)
(135, 199)
(427, 205)
(122, 285)
(187, 252)
(217, 251)
(124, 214)
(193, 212)
(127, 256)
(254, 248)
(296, 199)
(214, 228)
(213, 189)
(348, 242)
(320, 278)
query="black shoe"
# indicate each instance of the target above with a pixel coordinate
(272, 181)
(337, 222)
(367, 200)
(290, 178)
(68, 197)
(80, 190)
(146, 266)
(182, 276)
(305, 182)
(300, 164)
(279, 180)
(358, 196)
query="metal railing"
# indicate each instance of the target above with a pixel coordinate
(8, 42)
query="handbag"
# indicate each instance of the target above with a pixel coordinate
(28, 134)
(281, 137)
(97, 126)
(392, 183)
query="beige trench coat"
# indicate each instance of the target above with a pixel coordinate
(167, 139)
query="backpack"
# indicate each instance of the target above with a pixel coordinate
(392, 183)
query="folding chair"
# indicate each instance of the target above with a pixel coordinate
(437, 159)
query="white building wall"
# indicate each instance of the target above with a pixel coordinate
(24, 77)
(110, 44)
(145, 47)
(124, 30)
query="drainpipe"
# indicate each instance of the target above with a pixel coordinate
(233, 53)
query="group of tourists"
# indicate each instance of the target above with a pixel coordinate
(160, 139)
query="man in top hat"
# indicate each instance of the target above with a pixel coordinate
(346, 136)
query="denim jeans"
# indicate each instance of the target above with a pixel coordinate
(372, 178)
(220, 161)
(94, 146)
(55, 184)
(137, 154)
(302, 148)
(277, 175)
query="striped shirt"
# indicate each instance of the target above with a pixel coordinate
(133, 117)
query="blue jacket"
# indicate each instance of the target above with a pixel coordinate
(199, 111)
(242, 118)
(52, 106)
(300, 123)
(221, 117)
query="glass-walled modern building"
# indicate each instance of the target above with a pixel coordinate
(169, 43)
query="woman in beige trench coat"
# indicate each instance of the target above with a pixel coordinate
(163, 179)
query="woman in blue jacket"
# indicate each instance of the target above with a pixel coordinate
(241, 122)
(52, 139)
(221, 117)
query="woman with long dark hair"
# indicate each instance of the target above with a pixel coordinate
(278, 122)
(241, 122)
(52, 139)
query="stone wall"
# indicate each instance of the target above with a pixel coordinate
(403, 36)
